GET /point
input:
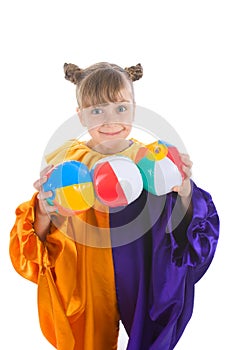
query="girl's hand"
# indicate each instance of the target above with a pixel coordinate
(43, 208)
(185, 189)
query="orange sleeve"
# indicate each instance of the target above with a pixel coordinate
(29, 255)
(26, 249)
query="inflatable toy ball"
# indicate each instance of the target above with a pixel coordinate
(72, 188)
(117, 181)
(161, 167)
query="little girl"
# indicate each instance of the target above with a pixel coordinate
(105, 265)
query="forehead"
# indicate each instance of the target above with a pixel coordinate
(104, 90)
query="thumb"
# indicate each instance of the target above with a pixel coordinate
(175, 189)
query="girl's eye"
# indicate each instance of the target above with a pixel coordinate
(121, 109)
(97, 111)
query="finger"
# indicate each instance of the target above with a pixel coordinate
(45, 170)
(50, 208)
(44, 195)
(38, 183)
(47, 209)
(187, 170)
(184, 154)
(176, 188)
(186, 160)
(188, 164)
(43, 177)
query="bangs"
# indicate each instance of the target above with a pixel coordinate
(102, 86)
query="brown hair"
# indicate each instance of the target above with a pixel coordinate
(101, 82)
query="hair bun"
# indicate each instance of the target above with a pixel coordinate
(72, 72)
(135, 72)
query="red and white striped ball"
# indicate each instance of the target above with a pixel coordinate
(117, 181)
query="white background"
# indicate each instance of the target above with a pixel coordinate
(185, 48)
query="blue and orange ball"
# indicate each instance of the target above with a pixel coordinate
(72, 187)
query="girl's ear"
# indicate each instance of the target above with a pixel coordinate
(79, 112)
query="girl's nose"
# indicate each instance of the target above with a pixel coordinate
(111, 118)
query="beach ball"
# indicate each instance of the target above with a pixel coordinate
(72, 188)
(117, 181)
(160, 166)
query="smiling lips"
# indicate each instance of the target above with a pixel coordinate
(111, 133)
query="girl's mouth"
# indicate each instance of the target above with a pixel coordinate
(111, 133)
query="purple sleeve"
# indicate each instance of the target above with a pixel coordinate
(194, 240)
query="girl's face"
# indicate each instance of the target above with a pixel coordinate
(109, 124)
